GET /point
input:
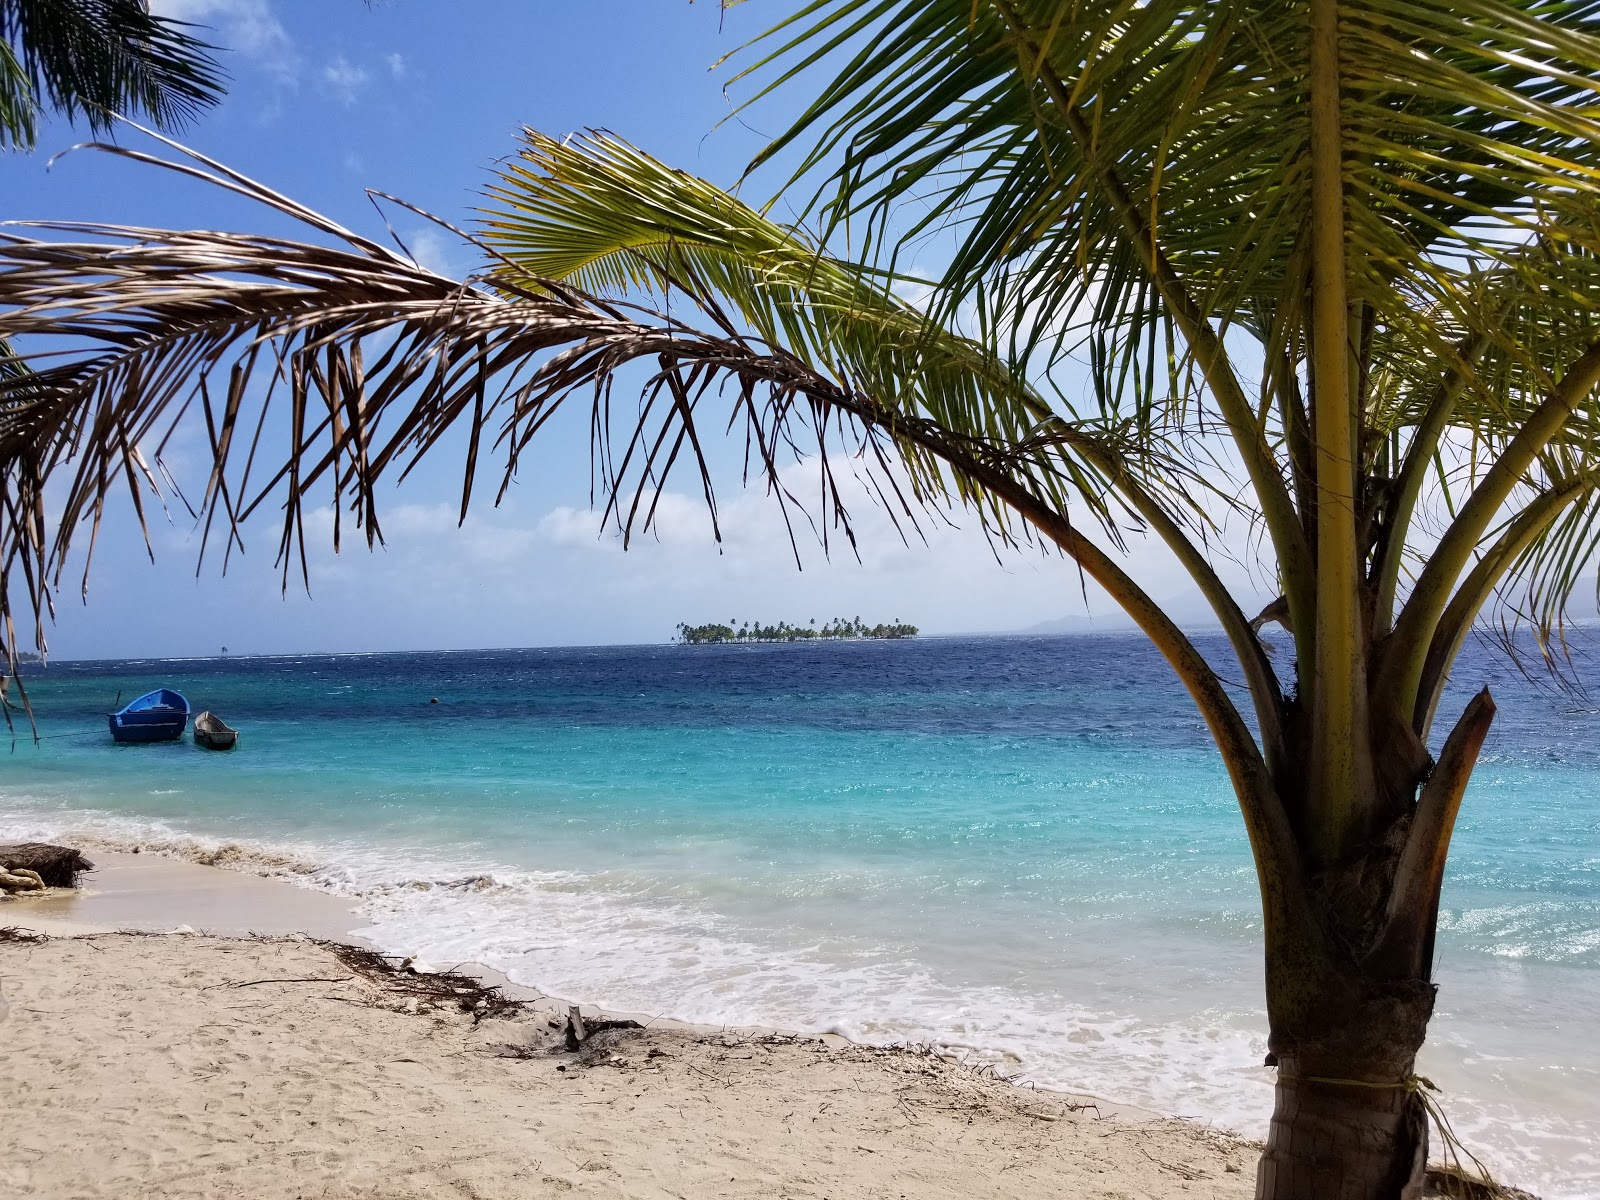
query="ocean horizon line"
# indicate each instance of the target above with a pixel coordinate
(1114, 631)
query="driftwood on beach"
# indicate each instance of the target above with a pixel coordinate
(50, 866)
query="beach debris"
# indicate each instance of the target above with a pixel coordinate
(182, 929)
(1460, 1184)
(576, 1031)
(292, 979)
(575, 1034)
(55, 866)
(428, 987)
(21, 880)
(579, 1030)
(26, 937)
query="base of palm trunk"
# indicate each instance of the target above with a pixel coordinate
(1343, 1139)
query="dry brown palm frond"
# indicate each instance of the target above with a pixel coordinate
(319, 370)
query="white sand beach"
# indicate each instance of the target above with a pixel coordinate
(248, 1058)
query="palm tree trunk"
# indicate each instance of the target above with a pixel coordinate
(1358, 1134)
(1350, 992)
(1347, 1017)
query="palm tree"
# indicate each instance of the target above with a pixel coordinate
(96, 58)
(1346, 252)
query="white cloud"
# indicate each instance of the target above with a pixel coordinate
(954, 582)
(397, 65)
(433, 249)
(916, 291)
(247, 27)
(540, 572)
(344, 79)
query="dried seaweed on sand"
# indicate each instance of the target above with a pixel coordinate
(442, 987)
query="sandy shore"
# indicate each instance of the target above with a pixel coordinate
(214, 1063)
(153, 893)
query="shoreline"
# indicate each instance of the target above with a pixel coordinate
(186, 1063)
(163, 892)
(132, 919)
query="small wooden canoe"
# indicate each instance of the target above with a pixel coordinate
(157, 716)
(212, 732)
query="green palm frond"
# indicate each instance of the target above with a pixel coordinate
(1147, 168)
(1020, 118)
(598, 214)
(96, 58)
(601, 215)
(17, 107)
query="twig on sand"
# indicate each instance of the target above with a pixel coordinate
(302, 979)
(717, 1079)
(26, 937)
(1182, 1172)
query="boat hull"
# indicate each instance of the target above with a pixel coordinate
(158, 716)
(212, 733)
(147, 727)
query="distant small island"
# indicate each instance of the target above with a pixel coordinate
(838, 629)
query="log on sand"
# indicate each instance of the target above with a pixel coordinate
(51, 866)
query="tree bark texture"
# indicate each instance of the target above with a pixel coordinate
(1355, 1135)
(1350, 992)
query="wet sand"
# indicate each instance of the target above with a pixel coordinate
(223, 1061)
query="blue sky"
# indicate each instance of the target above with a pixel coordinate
(419, 99)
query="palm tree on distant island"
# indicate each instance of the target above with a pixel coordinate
(838, 629)
(1330, 264)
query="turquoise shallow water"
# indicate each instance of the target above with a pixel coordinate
(1022, 848)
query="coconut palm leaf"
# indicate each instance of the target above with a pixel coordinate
(95, 58)
(365, 361)
(595, 213)
(1072, 142)
(1026, 118)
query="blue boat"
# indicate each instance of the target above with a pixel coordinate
(158, 716)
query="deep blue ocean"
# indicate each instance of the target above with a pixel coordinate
(1025, 849)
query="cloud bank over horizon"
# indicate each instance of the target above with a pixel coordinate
(522, 575)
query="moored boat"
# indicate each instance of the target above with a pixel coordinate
(158, 716)
(212, 732)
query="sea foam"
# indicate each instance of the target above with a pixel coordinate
(607, 940)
